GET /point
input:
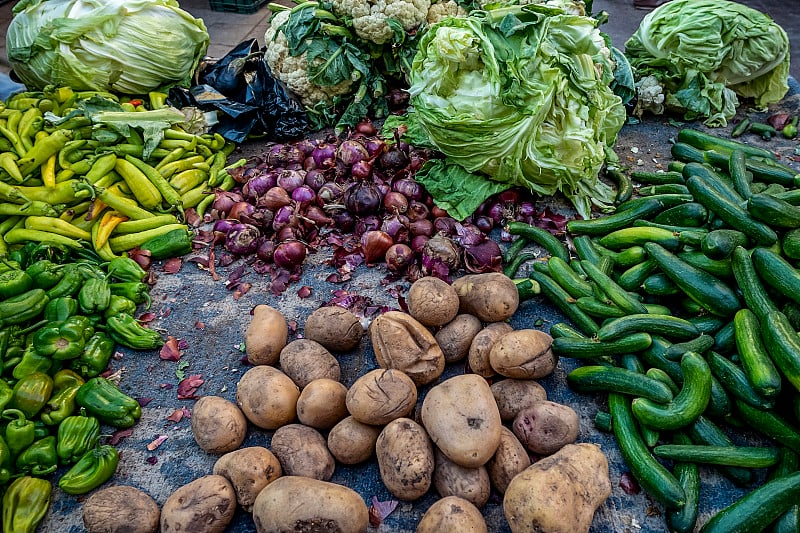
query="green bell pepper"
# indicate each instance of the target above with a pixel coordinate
(127, 331)
(62, 403)
(31, 362)
(45, 274)
(93, 469)
(103, 399)
(6, 394)
(119, 305)
(95, 295)
(125, 269)
(14, 282)
(31, 393)
(70, 283)
(77, 435)
(95, 356)
(136, 291)
(25, 503)
(40, 458)
(5, 462)
(60, 309)
(60, 340)
(20, 432)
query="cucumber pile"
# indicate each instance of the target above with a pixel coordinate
(684, 306)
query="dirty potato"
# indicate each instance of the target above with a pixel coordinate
(267, 397)
(218, 425)
(121, 509)
(546, 427)
(456, 337)
(405, 459)
(302, 451)
(451, 479)
(381, 395)
(265, 336)
(432, 301)
(322, 403)
(249, 470)
(305, 360)
(514, 395)
(452, 514)
(523, 354)
(481, 347)
(352, 442)
(334, 327)
(204, 505)
(492, 296)
(401, 342)
(510, 459)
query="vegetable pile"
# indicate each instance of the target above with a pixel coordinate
(685, 310)
(61, 315)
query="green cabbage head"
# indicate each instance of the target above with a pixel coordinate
(706, 52)
(124, 46)
(521, 95)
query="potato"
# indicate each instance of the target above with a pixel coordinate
(401, 342)
(510, 459)
(560, 493)
(335, 328)
(305, 360)
(352, 442)
(218, 425)
(405, 459)
(322, 404)
(205, 505)
(514, 395)
(432, 301)
(249, 470)
(456, 337)
(492, 296)
(265, 336)
(380, 396)
(267, 397)
(121, 509)
(302, 451)
(462, 419)
(546, 427)
(523, 354)
(293, 503)
(452, 514)
(451, 479)
(481, 347)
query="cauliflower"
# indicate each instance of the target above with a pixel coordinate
(440, 10)
(650, 95)
(370, 18)
(292, 70)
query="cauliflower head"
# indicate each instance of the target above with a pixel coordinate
(293, 70)
(370, 18)
(440, 10)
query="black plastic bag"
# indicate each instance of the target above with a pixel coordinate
(250, 99)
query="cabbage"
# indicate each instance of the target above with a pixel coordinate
(522, 95)
(124, 46)
(706, 52)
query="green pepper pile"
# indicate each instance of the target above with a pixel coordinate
(61, 315)
(93, 170)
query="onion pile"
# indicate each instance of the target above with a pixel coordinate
(357, 195)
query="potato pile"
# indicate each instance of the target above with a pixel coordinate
(459, 436)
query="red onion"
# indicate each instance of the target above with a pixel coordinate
(496, 212)
(375, 147)
(418, 243)
(276, 156)
(362, 198)
(417, 211)
(324, 155)
(526, 209)
(223, 225)
(306, 146)
(242, 239)
(260, 184)
(294, 155)
(395, 202)
(374, 244)
(437, 212)
(286, 233)
(291, 179)
(484, 223)
(330, 193)
(351, 151)
(361, 169)
(445, 225)
(422, 226)
(509, 196)
(283, 216)
(393, 159)
(309, 164)
(275, 198)
(266, 247)
(315, 179)
(397, 97)
(408, 188)
(343, 219)
(304, 195)
(289, 254)
(397, 227)
(367, 223)
(398, 257)
(241, 210)
(440, 248)
(366, 127)
(224, 200)
(317, 216)
(483, 257)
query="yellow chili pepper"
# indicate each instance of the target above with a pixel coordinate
(49, 171)
(108, 223)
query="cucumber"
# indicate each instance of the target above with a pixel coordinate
(730, 212)
(565, 303)
(719, 182)
(742, 178)
(630, 236)
(652, 476)
(597, 308)
(725, 339)
(620, 219)
(629, 256)
(657, 178)
(753, 291)
(774, 211)
(659, 284)
(720, 243)
(705, 141)
(757, 509)
(667, 200)
(562, 329)
(792, 196)
(783, 345)
(742, 456)
(792, 312)
(565, 276)
(756, 362)
(777, 272)
(670, 327)
(789, 522)
(686, 153)
(688, 474)
(663, 377)
(690, 214)
(700, 344)
(699, 285)
(690, 402)
(708, 324)
(769, 423)
(598, 378)
(720, 268)
(539, 236)
(585, 348)
(762, 171)
(610, 288)
(603, 422)
(664, 188)
(790, 244)
(704, 431)
(676, 166)
(585, 248)
(735, 381)
(687, 236)
(632, 279)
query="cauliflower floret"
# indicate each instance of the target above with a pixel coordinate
(293, 70)
(650, 96)
(441, 10)
(370, 17)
